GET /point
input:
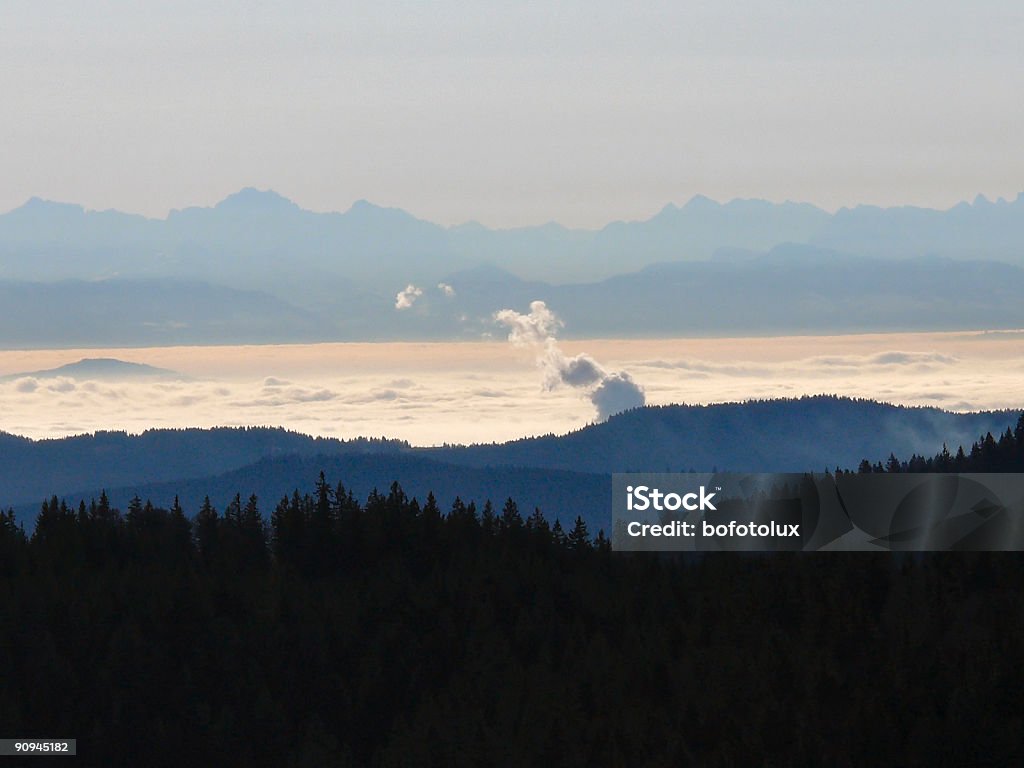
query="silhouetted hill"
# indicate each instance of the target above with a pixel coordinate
(115, 459)
(812, 433)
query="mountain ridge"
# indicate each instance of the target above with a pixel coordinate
(252, 229)
(744, 266)
(253, 197)
(805, 434)
(792, 288)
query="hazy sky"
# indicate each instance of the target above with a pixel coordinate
(510, 112)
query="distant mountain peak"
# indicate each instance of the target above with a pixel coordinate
(363, 206)
(469, 226)
(364, 210)
(698, 202)
(37, 205)
(668, 211)
(251, 198)
(97, 368)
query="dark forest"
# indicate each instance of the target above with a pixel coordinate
(331, 631)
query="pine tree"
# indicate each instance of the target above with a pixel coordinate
(510, 517)
(960, 462)
(180, 526)
(233, 513)
(134, 508)
(176, 511)
(103, 510)
(207, 524)
(536, 522)
(430, 510)
(558, 533)
(251, 518)
(488, 523)
(289, 529)
(322, 523)
(579, 538)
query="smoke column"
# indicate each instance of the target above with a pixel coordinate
(609, 392)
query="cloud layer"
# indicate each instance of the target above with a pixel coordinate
(487, 391)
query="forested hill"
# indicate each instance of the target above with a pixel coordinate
(32, 469)
(772, 435)
(794, 435)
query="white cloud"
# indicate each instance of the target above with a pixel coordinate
(407, 297)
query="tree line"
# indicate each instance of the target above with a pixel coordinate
(986, 454)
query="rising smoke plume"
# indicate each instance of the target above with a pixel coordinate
(610, 392)
(406, 298)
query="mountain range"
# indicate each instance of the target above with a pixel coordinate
(258, 268)
(789, 290)
(265, 232)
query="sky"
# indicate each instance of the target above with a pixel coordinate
(494, 391)
(510, 113)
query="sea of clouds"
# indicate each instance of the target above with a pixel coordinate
(494, 391)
